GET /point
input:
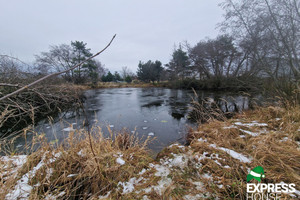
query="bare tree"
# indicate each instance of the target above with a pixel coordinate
(219, 58)
(273, 27)
(126, 72)
(101, 70)
(57, 59)
(55, 74)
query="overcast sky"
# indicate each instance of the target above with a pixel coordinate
(146, 30)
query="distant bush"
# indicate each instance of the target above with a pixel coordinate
(235, 84)
(128, 79)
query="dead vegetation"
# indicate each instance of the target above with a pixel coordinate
(214, 165)
(269, 137)
(28, 107)
(70, 171)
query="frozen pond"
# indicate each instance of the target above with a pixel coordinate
(155, 112)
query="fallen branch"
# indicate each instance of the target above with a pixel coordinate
(9, 85)
(56, 74)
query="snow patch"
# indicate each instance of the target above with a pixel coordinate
(179, 161)
(129, 186)
(202, 140)
(22, 188)
(72, 175)
(120, 161)
(230, 127)
(250, 133)
(233, 154)
(160, 187)
(17, 161)
(105, 196)
(253, 123)
(142, 172)
(199, 185)
(80, 153)
(207, 176)
(160, 170)
(179, 146)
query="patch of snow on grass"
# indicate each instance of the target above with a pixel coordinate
(233, 154)
(160, 187)
(120, 161)
(179, 161)
(22, 188)
(72, 175)
(207, 176)
(55, 156)
(179, 146)
(250, 133)
(14, 163)
(199, 185)
(80, 153)
(202, 157)
(253, 123)
(142, 172)
(129, 186)
(284, 139)
(145, 197)
(105, 196)
(49, 172)
(230, 127)
(202, 140)
(17, 161)
(218, 163)
(161, 170)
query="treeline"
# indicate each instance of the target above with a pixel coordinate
(126, 76)
(260, 41)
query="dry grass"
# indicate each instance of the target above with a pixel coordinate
(70, 171)
(276, 149)
(201, 170)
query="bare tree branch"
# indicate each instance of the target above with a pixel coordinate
(9, 85)
(55, 74)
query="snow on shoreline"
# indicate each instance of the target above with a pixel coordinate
(233, 154)
(22, 188)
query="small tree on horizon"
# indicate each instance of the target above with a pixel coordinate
(179, 64)
(149, 71)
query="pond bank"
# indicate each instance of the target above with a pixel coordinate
(210, 167)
